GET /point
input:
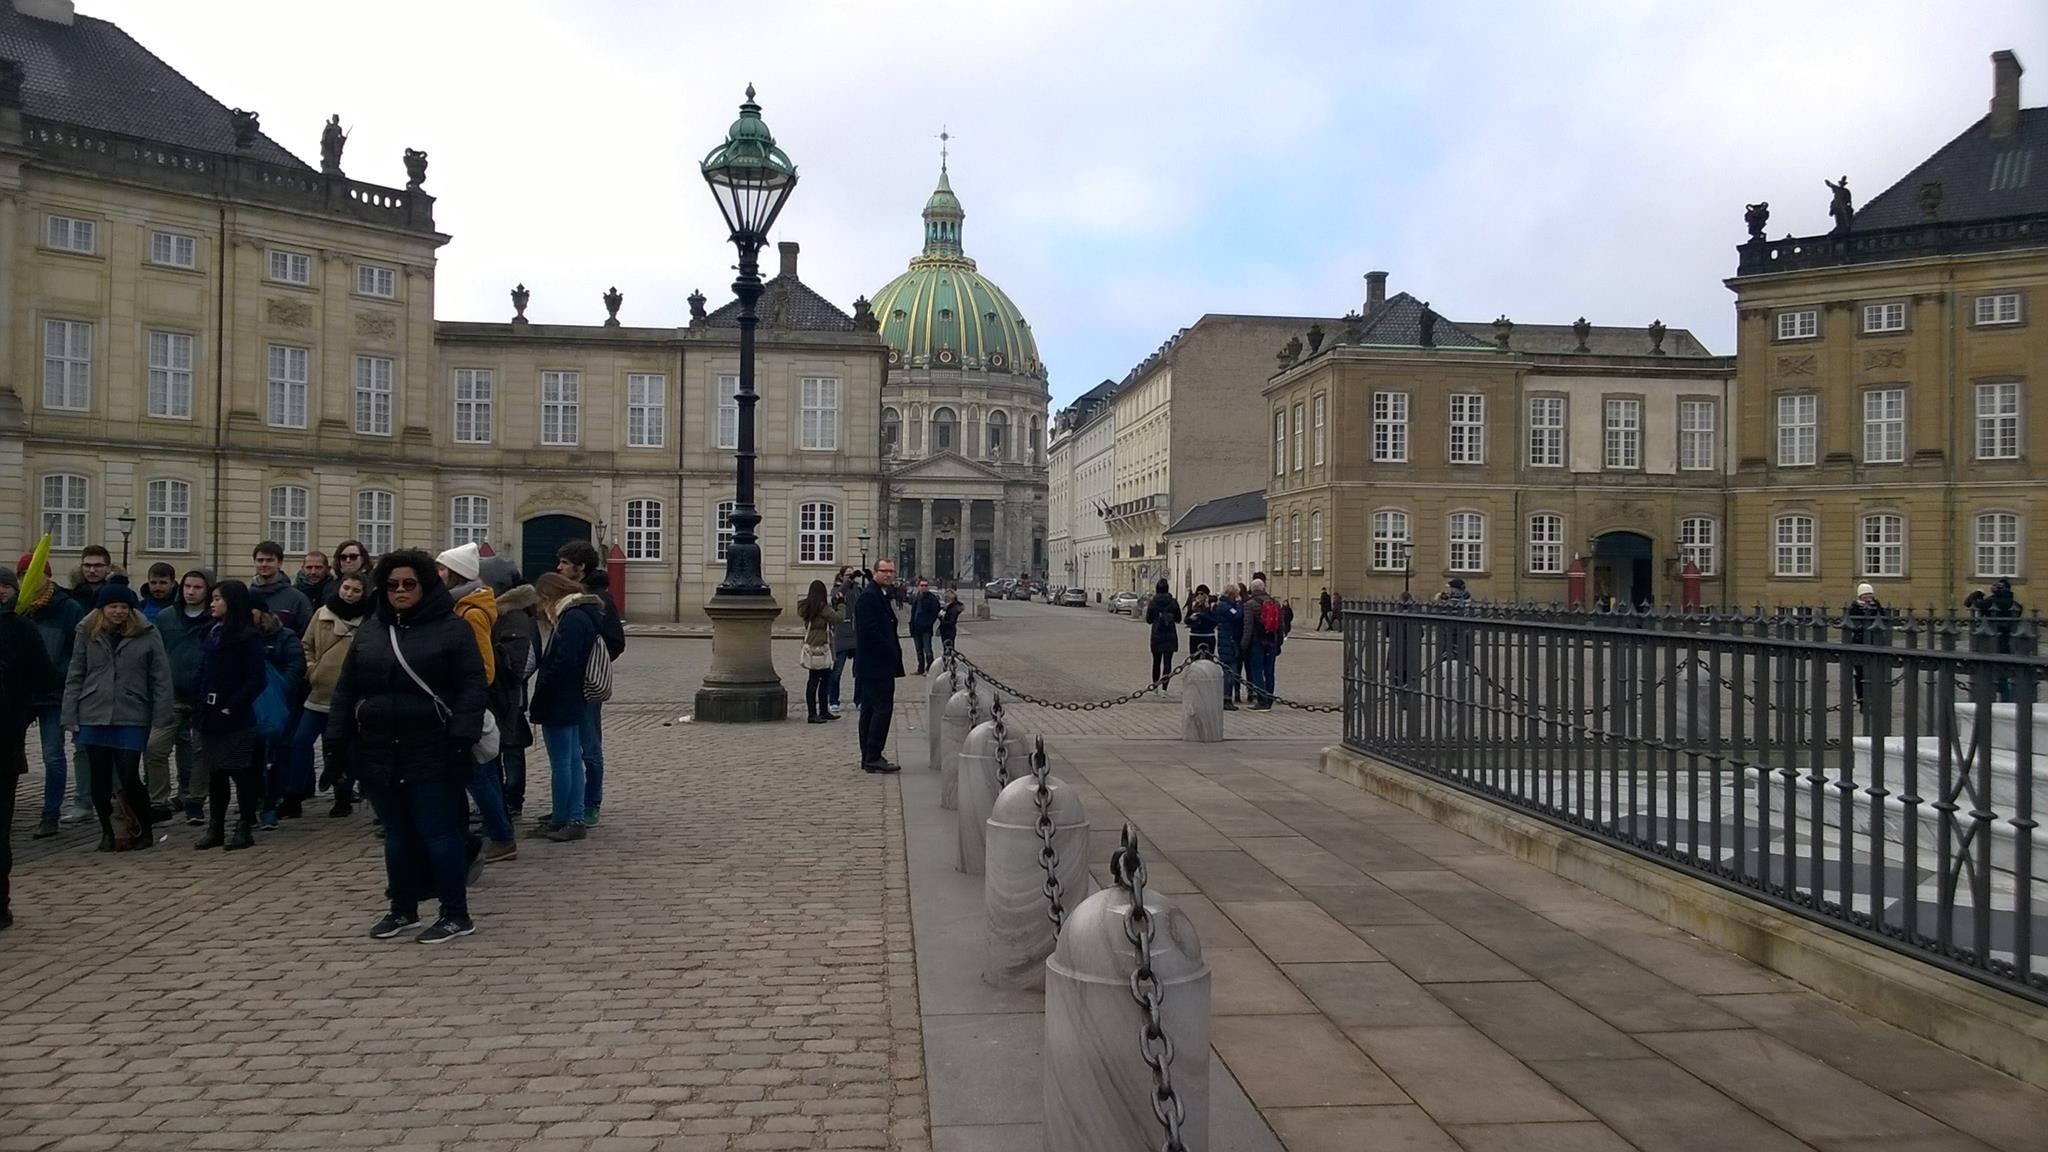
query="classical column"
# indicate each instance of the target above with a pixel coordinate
(927, 555)
(999, 544)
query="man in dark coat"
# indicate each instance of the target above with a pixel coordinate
(924, 616)
(55, 613)
(26, 671)
(273, 591)
(877, 665)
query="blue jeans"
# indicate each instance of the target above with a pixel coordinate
(299, 779)
(592, 736)
(839, 660)
(50, 726)
(1230, 663)
(565, 764)
(487, 788)
(426, 845)
(1258, 668)
(514, 764)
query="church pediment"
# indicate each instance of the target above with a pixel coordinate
(947, 466)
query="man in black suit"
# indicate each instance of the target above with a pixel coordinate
(877, 665)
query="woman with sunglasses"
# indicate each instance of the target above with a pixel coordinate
(412, 696)
(351, 556)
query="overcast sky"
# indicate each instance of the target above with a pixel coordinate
(1125, 167)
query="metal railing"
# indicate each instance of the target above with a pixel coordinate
(1884, 786)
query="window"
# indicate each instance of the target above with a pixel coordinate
(1998, 543)
(1624, 434)
(1890, 317)
(816, 537)
(1390, 543)
(560, 407)
(287, 387)
(374, 281)
(1390, 427)
(376, 521)
(1280, 442)
(1884, 426)
(70, 234)
(724, 541)
(1998, 421)
(998, 427)
(473, 389)
(291, 267)
(287, 523)
(820, 430)
(646, 409)
(728, 412)
(1884, 544)
(373, 399)
(1315, 541)
(1467, 542)
(1696, 435)
(1468, 428)
(643, 529)
(1798, 429)
(1278, 547)
(469, 520)
(1546, 431)
(64, 510)
(1792, 554)
(173, 250)
(942, 430)
(1300, 435)
(2002, 308)
(1546, 543)
(167, 508)
(67, 365)
(1696, 544)
(892, 432)
(170, 376)
(1294, 541)
(1318, 421)
(1800, 325)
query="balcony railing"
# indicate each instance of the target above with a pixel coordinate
(1933, 238)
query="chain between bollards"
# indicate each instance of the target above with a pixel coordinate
(1048, 856)
(1154, 1046)
(1084, 706)
(1002, 744)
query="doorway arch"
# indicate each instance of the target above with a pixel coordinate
(1622, 569)
(541, 536)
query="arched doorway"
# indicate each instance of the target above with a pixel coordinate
(541, 536)
(1621, 569)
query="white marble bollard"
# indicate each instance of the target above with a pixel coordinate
(978, 785)
(1020, 932)
(1098, 1091)
(938, 691)
(953, 730)
(1201, 703)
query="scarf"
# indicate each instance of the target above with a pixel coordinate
(343, 610)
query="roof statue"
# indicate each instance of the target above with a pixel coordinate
(1755, 216)
(332, 138)
(415, 167)
(1843, 206)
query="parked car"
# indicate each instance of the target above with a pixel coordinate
(1019, 590)
(997, 589)
(1074, 598)
(1124, 602)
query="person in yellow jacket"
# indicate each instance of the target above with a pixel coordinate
(461, 568)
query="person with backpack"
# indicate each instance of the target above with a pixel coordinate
(412, 696)
(117, 691)
(1265, 624)
(284, 795)
(579, 561)
(1162, 612)
(232, 674)
(572, 637)
(326, 646)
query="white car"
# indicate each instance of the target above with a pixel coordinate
(1124, 602)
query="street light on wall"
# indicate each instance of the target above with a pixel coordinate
(863, 538)
(1407, 563)
(751, 179)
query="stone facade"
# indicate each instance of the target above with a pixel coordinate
(1083, 476)
(1219, 542)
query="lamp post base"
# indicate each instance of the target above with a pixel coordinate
(742, 687)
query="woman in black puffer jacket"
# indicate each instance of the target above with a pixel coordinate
(412, 733)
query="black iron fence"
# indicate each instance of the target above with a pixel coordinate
(1877, 774)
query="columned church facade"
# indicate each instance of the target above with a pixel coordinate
(963, 417)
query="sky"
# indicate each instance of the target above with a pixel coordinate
(1125, 167)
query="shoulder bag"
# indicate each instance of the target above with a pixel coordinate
(485, 749)
(597, 673)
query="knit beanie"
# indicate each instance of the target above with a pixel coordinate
(116, 591)
(463, 560)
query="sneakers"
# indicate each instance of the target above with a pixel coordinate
(562, 833)
(590, 817)
(267, 818)
(194, 817)
(74, 816)
(493, 853)
(392, 925)
(445, 929)
(45, 829)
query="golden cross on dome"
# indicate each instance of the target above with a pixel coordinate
(945, 138)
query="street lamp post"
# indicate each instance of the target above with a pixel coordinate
(127, 522)
(863, 538)
(751, 179)
(1407, 565)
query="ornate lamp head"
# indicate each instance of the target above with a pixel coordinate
(749, 176)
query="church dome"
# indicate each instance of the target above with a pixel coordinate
(942, 313)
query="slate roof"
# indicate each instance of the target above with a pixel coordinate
(94, 75)
(1398, 324)
(1981, 178)
(1603, 340)
(1243, 508)
(788, 305)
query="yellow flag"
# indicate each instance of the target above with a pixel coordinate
(33, 578)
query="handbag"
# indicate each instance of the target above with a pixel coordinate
(485, 749)
(816, 657)
(272, 709)
(597, 675)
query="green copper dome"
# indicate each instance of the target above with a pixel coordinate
(942, 313)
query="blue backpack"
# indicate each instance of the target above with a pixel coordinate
(273, 708)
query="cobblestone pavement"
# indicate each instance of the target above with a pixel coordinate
(724, 964)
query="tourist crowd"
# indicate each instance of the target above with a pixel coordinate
(411, 681)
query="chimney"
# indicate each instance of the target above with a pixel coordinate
(1375, 292)
(2005, 93)
(55, 11)
(788, 249)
